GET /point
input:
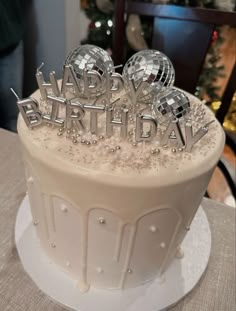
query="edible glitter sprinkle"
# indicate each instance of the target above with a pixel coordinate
(131, 156)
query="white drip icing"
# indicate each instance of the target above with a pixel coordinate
(119, 241)
(84, 254)
(52, 213)
(44, 211)
(129, 254)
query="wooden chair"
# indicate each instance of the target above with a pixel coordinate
(184, 34)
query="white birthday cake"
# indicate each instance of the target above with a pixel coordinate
(116, 166)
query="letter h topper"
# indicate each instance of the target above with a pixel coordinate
(111, 122)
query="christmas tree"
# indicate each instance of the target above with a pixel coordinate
(100, 13)
(101, 23)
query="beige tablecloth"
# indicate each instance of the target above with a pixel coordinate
(215, 291)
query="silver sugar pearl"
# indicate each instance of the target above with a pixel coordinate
(153, 229)
(130, 271)
(162, 245)
(99, 270)
(117, 147)
(88, 143)
(68, 131)
(75, 141)
(64, 208)
(53, 245)
(180, 149)
(101, 137)
(102, 221)
(179, 253)
(112, 150)
(59, 134)
(35, 223)
(94, 142)
(173, 150)
(134, 145)
(83, 141)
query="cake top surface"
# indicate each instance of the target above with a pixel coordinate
(136, 125)
(116, 156)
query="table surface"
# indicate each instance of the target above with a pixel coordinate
(214, 292)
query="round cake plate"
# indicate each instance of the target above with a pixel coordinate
(180, 278)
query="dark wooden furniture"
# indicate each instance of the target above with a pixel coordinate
(184, 34)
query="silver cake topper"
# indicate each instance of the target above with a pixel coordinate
(143, 95)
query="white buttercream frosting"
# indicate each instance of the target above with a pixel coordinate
(146, 199)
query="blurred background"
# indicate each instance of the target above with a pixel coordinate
(51, 29)
(55, 27)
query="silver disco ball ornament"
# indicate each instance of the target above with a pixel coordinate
(90, 57)
(173, 104)
(152, 67)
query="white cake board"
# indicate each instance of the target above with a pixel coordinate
(180, 278)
